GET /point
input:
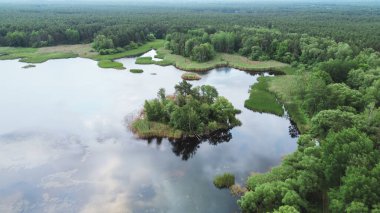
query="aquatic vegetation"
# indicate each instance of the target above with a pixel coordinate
(225, 180)
(191, 76)
(111, 64)
(136, 70)
(262, 100)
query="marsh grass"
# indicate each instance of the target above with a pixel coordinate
(262, 100)
(107, 64)
(220, 60)
(286, 89)
(144, 60)
(136, 70)
(225, 180)
(39, 55)
(31, 55)
(148, 129)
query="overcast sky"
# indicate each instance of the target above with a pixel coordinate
(188, 1)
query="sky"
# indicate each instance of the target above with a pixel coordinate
(188, 1)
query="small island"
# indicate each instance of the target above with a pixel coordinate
(136, 70)
(189, 76)
(190, 112)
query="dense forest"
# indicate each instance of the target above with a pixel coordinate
(42, 25)
(337, 88)
(335, 83)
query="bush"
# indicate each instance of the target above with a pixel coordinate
(224, 181)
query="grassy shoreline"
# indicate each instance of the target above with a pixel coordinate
(40, 55)
(262, 100)
(283, 88)
(270, 93)
(145, 129)
(220, 60)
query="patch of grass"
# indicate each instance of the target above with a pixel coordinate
(286, 89)
(191, 76)
(219, 60)
(144, 60)
(82, 50)
(107, 64)
(262, 100)
(225, 180)
(43, 57)
(163, 63)
(136, 71)
(31, 55)
(147, 129)
(39, 55)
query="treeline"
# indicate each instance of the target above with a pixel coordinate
(44, 25)
(337, 165)
(259, 44)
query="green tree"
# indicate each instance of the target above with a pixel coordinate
(357, 207)
(338, 69)
(286, 209)
(183, 88)
(208, 93)
(202, 53)
(16, 38)
(348, 147)
(154, 111)
(224, 112)
(342, 95)
(332, 120)
(102, 42)
(189, 46)
(72, 35)
(185, 118)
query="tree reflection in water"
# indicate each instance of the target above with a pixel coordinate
(293, 130)
(185, 148)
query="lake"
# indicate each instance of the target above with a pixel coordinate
(65, 145)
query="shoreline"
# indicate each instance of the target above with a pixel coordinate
(161, 130)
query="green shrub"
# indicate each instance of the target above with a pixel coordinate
(225, 180)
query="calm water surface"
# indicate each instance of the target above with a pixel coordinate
(65, 144)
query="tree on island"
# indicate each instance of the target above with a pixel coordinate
(194, 111)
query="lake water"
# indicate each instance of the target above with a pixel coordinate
(65, 145)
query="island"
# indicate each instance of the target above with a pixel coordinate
(190, 112)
